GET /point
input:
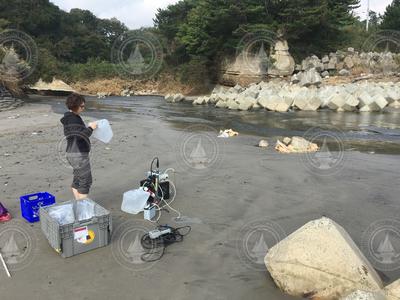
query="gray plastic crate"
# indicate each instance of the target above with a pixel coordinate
(65, 238)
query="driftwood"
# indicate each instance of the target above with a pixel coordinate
(369, 76)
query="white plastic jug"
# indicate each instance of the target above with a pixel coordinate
(135, 201)
(103, 132)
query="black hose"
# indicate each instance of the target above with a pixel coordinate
(158, 246)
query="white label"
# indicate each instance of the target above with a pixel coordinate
(81, 234)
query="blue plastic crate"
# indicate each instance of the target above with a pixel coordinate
(30, 205)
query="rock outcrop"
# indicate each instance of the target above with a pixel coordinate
(244, 70)
(345, 63)
(283, 63)
(55, 86)
(254, 67)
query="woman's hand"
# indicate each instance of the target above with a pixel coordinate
(93, 125)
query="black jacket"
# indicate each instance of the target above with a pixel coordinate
(77, 133)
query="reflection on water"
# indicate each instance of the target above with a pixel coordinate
(367, 132)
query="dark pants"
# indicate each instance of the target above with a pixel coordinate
(80, 163)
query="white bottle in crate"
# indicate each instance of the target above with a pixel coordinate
(103, 132)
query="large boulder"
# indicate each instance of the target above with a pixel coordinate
(295, 78)
(380, 102)
(221, 104)
(275, 103)
(344, 72)
(169, 98)
(392, 291)
(351, 103)
(395, 104)
(283, 62)
(300, 144)
(312, 62)
(376, 102)
(295, 144)
(256, 106)
(325, 74)
(320, 261)
(336, 102)
(325, 59)
(251, 92)
(392, 94)
(348, 62)
(310, 77)
(178, 98)
(283, 105)
(332, 62)
(213, 98)
(200, 101)
(365, 102)
(363, 295)
(246, 103)
(232, 104)
(306, 100)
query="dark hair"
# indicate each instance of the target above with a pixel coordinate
(74, 101)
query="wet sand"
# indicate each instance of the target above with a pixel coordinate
(243, 184)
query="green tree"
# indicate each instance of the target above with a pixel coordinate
(3, 24)
(391, 17)
(211, 29)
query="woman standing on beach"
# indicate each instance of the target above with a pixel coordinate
(78, 145)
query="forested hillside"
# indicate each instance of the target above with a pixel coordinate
(195, 34)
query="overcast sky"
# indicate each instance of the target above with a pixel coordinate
(138, 13)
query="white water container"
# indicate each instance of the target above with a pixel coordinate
(135, 201)
(103, 132)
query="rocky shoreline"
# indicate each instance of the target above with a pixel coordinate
(282, 96)
(345, 63)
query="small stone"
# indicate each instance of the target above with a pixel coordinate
(344, 72)
(287, 140)
(263, 144)
(325, 74)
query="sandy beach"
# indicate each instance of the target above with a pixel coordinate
(242, 186)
